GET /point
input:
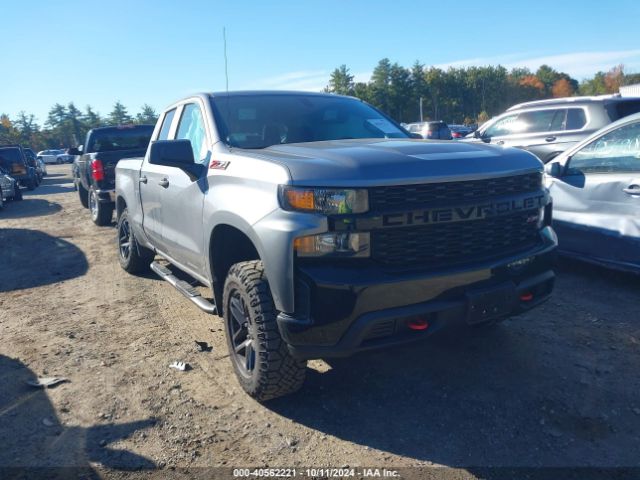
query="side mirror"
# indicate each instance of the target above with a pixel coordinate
(476, 134)
(75, 151)
(553, 169)
(171, 153)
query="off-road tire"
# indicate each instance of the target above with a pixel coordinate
(275, 372)
(83, 195)
(101, 212)
(138, 258)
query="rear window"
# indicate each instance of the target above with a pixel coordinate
(9, 156)
(623, 108)
(122, 138)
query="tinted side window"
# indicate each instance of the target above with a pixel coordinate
(616, 151)
(576, 119)
(536, 121)
(166, 125)
(191, 127)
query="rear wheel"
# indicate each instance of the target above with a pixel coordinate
(260, 358)
(83, 195)
(101, 212)
(133, 257)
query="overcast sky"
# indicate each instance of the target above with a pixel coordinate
(158, 51)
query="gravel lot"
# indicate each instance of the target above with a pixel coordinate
(557, 387)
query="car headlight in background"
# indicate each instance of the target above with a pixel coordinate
(329, 201)
(350, 245)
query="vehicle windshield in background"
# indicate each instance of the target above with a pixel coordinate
(124, 138)
(259, 121)
(8, 157)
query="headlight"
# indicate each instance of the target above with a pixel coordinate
(351, 245)
(330, 201)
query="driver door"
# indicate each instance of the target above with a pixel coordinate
(182, 199)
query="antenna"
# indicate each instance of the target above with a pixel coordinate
(226, 76)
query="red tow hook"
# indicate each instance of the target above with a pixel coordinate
(418, 324)
(526, 297)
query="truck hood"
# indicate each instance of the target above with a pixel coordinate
(395, 162)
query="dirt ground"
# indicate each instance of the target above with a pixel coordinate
(557, 387)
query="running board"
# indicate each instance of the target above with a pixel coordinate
(184, 288)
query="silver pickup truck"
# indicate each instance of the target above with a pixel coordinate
(322, 228)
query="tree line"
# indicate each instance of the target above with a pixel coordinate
(66, 125)
(466, 95)
(457, 95)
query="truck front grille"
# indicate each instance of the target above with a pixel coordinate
(448, 244)
(408, 197)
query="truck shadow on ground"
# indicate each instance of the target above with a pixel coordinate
(533, 391)
(23, 268)
(41, 446)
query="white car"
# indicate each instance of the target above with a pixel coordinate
(50, 156)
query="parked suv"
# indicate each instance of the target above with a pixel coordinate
(549, 127)
(14, 160)
(437, 130)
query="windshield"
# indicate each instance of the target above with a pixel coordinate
(262, 120)
(120, 138)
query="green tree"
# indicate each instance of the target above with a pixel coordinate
(380, 86)
(147, 115)
(91, 119)
(594, 86)
(119, 115)
(76, 125)
(341, 81)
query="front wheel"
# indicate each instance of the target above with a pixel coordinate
(31, 184)
(260, 358)
(133, 257)
(101, 212)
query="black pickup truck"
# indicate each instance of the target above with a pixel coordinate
(95, 163)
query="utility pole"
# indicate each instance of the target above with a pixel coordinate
(421, 109)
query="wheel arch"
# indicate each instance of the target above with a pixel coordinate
(229, 243)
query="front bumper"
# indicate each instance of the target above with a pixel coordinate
(341, 310)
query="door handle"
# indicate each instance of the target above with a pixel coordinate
(500, 142)
(550, 139)
(164, 183)
(142, 179)
(633, 189)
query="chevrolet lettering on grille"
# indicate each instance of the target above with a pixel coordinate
(454, 214)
